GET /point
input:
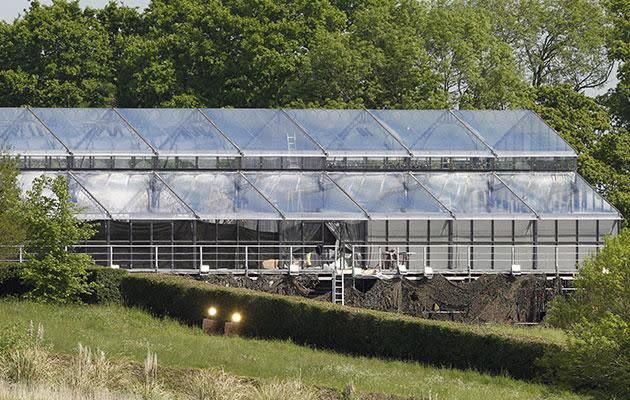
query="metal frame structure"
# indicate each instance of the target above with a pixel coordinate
(467, 183)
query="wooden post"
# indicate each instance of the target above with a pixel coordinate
(211, 326)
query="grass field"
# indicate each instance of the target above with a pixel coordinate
(127, 334)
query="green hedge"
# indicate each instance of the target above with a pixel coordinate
(344, 329)
(10, 282)
(109, 282)
(107, 291)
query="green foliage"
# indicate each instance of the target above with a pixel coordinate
(55, 55)
(11, 227)
(597, 317)
(347, 330)
(597, 358)
(55, 272)
(11, 283)
(603, 159)
(602, 287)
(106, 288)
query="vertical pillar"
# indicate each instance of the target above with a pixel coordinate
(535, 246)
(428, 252)
(130, 244)
(172, 244)
(577, 243)
(450, 243)
(193, 226)
(472, 249)
(492, 244)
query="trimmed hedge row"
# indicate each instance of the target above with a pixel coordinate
(107, 291)
(343, 329)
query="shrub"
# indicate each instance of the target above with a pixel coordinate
(602, 286)
(597, 320)
(11, 283)
(107, 285)
(55, 272)
(344, 329)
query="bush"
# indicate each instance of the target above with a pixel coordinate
(56, 274)
(107, 285)
(597, 320)
(344, 329)
(602, 286)
(11, 283)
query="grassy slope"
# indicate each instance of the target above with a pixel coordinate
(128, 333)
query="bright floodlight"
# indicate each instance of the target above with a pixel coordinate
(236, 317)
(212, 311)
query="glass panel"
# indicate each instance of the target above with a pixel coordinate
(220, 195)
(475, 195)
(134, 195)
(93, 130)
(514, 132)
(178, 131)
(433, 132)
(397, 231)
(88, 207)
(263, 131)
(306, 195)
(22, 133)
(559, 195)
(390, 195)
(348, 132)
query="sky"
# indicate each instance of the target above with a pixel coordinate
(10, 9)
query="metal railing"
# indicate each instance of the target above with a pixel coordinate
(358, 260)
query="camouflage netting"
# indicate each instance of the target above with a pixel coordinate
(490, 298)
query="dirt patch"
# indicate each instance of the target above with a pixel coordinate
(490, 298)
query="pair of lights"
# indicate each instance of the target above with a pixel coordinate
(236, 317)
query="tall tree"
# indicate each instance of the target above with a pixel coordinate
(555, 41)
(55, 56)
(475, 68)
(618, 99)
(603, 158)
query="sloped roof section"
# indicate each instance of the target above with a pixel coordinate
(475, 195)
(216, 196)
(433, 133)
(306, 196)
(395, 195)
(349, 133)
(134, 195)
(178, 132)
(560, 195)
(22, 133)
(88, 207)
(93, 131)
(516, 133)
(259, 132)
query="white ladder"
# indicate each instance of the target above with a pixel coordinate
(338, 288)
(291, 141)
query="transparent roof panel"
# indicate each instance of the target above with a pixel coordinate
(89, 209)
(98, 131)
(559, 195)
(433, 132)
(475, 195)
(516, 132)
(306, 196)
(348, 132)
(178, 131)
(391, 196)
(220, 195)
(263, 132)
(134, 195)
(22, 133)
